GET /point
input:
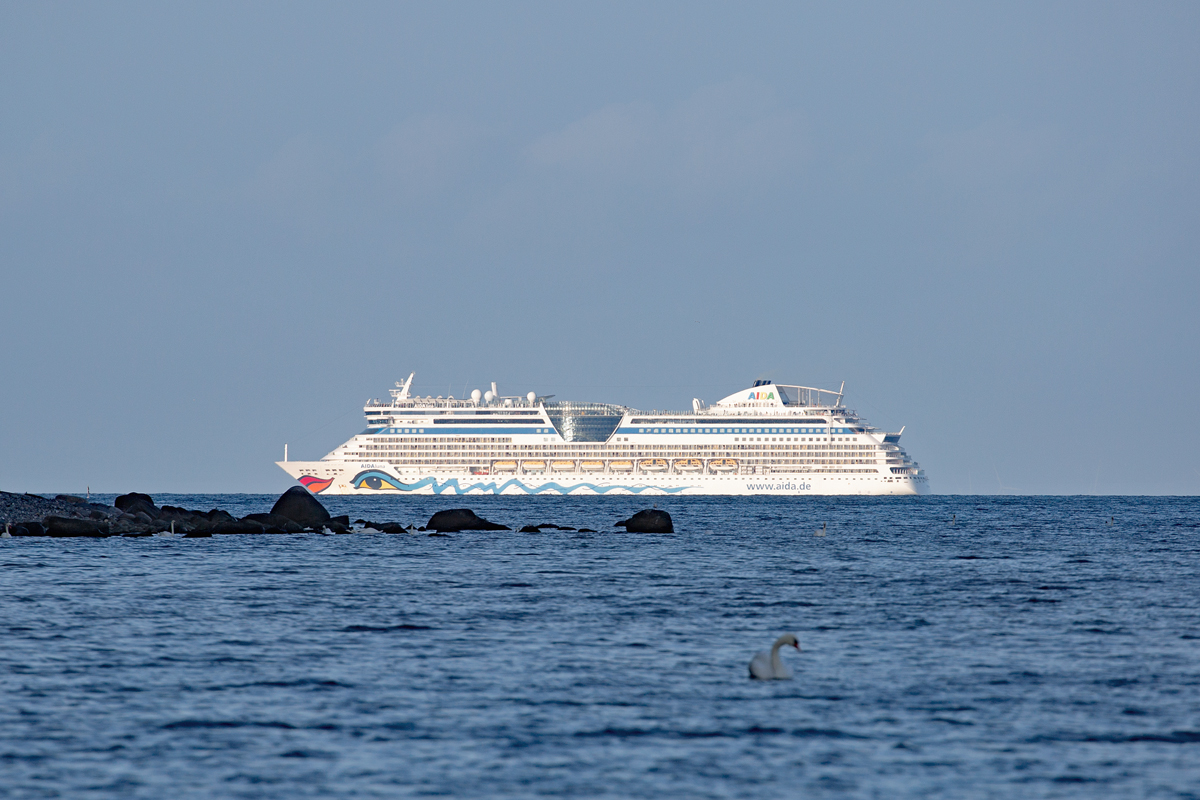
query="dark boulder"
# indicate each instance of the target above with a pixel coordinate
(650, 520)
(337, 527)
(184, 519)
(586, 530)
(70, 498)
(301, 508)
(130, 523)
(239, 526)
(461, 519)
(69, 526)
(343, 520)
(530, 529)
(219, 515)
(279, 521)
(134, 502)
(391, 527)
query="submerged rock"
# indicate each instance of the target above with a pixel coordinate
(461, 519)
(650, 520)
(301, 507)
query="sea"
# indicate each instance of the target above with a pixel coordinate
(951, 647)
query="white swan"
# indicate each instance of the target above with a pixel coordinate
(765, 667)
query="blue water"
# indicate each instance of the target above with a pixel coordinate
(1029, 650)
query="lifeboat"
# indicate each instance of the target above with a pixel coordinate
(562, 466)
(591, 466)
(504, 466)
(533, 466)
(620, 466)
(688, 465)
(722, 465)
(653, 465)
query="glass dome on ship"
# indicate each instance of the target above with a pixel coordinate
(767, 439)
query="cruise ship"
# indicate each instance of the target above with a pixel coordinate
(767, 439)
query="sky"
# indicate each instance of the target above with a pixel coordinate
(225, 226)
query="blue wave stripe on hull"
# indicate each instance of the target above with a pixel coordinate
(452, 485)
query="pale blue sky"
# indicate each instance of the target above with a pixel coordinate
(225, 226)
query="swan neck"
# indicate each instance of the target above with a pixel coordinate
(776, 661)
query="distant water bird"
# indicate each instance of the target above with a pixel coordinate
(765, 667)
(953, 518)
(1110, 520)
(822, 531)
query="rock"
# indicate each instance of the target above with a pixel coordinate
(239, 526)
(391, 527)
(301, 507)
(650, 520)
(344, 519)
(98, 514)
(70, 498)
(461, 519)
(337, 527)
(530, 529)
(279, 521)
(586, 530)
(134, 502)
(69, 526)
(219, 515)
(127, 524)
(185, 520)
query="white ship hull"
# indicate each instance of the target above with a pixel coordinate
(769, 439)
(367, 479)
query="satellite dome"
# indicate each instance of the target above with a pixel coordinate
(476, 394)
(488, 396)
(531, 397)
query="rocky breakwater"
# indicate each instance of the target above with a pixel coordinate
(296, 511)
(136, 514)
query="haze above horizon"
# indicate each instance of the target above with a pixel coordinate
(223, 226)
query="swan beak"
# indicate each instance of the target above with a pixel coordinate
(797, 646)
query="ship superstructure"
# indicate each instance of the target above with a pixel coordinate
(770, 438)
